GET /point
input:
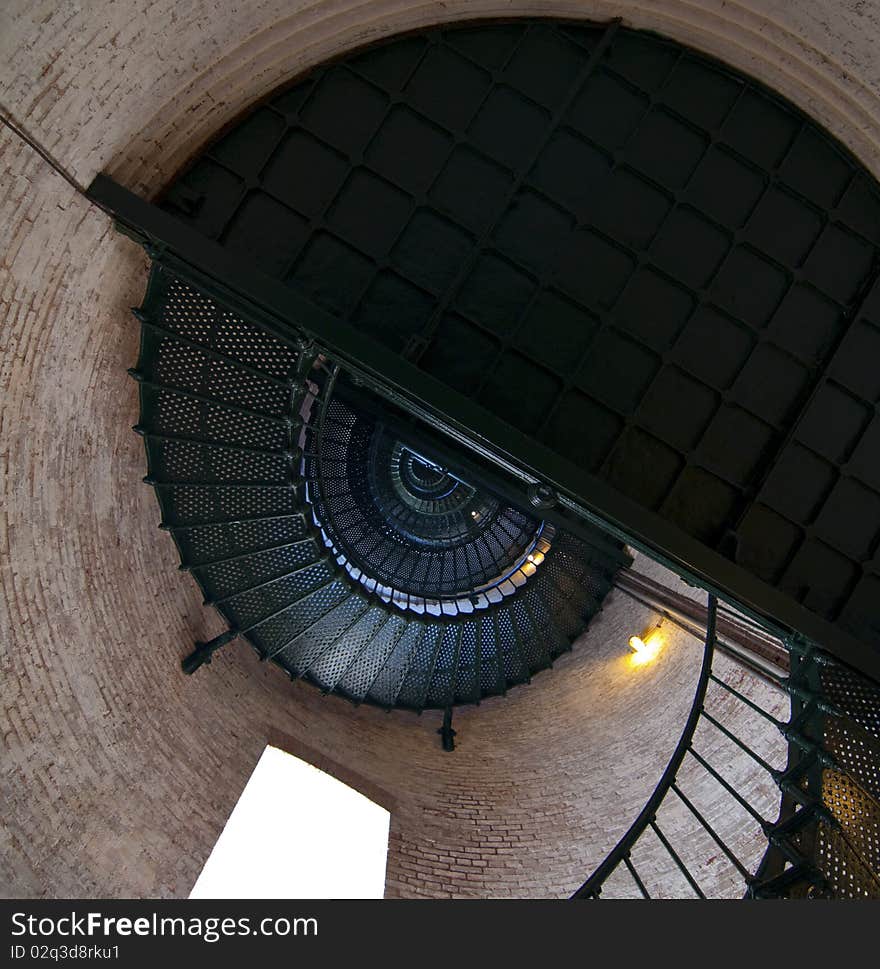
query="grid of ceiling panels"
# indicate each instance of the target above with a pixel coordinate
(625, 250)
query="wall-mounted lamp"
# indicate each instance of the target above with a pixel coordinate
(646, 647)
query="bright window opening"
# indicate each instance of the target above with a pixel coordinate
(297, 832)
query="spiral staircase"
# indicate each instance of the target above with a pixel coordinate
(338, 551)
(436, 334)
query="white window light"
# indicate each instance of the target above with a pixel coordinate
(297, 832)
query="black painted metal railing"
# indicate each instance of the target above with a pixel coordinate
(823, 840)
(648, 815)
(405, 528)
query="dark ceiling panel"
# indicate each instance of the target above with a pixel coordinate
(634, 254)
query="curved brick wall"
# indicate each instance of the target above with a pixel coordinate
(135, 88)
(118, 772)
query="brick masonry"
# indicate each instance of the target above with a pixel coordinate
(117, 771)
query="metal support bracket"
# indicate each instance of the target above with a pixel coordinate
(447, 734)
(204, 651)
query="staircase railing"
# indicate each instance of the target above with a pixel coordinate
(592, 887)
(520, 542)
(823, 842)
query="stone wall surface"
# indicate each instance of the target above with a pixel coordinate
(117, 771)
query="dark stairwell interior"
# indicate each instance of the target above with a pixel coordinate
(339, 552)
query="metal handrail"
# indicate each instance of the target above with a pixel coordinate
(620, 853)
(464, 604)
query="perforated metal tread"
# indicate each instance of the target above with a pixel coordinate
(219, 419)
(848, 848)
(680, 267)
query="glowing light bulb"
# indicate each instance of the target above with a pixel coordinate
(644, 649)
